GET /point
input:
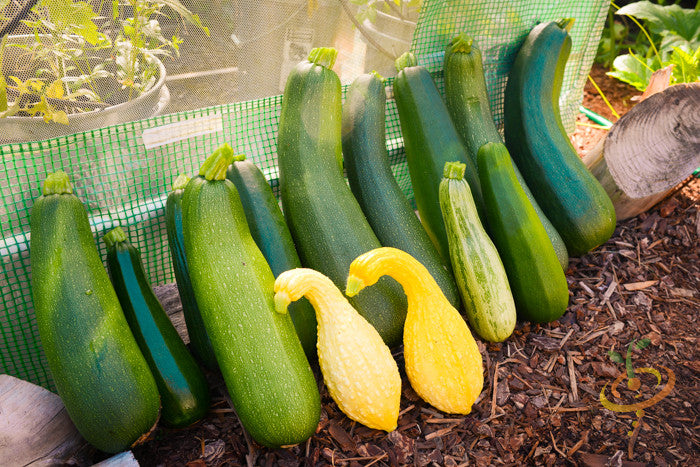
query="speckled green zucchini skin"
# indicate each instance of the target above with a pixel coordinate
(536, 278)
(469, 107)
(326, 222)
(184, 392)
(97, 367)
(571, 197)
(431, 140)
(483, 283)
(199, 341)
(374, 186)
(261, 359)
(271, 234)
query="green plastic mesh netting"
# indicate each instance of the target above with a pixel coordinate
(123, 172)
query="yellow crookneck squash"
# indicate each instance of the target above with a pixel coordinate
(443, 363)
(361, 375)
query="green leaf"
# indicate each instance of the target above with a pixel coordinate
(686, 66)
(76, 17)
(186, 14)
(643, 343)
(615, 357)
(55, 89)
(3, 83)
(12, 110)
(631, 70)
(3, 93)
(60, 117)
(667, 19)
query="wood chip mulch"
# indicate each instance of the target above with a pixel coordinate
(541, 399)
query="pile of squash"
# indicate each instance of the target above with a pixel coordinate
(347, 273)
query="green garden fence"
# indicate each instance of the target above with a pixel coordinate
(123, 173)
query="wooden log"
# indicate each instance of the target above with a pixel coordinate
(649, 150)
(123, 459)
(35, 428)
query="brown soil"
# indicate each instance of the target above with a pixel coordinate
(541, 399)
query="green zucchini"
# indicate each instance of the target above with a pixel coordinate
(199, 341)
(326, 222)
(97, 367)
(536, 278)
(374, 186)
(261, 359)
(430, 140)
(184, 392)
(271, 234)
(468, 104)
(570, 196)
(481, 277)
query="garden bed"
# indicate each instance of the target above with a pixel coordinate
(541, 398)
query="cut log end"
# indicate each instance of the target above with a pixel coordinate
(651, 149)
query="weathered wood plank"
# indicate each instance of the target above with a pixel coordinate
(35, 428)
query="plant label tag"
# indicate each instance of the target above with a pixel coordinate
(173, 132)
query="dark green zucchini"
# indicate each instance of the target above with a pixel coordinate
(261, 359)
(374, 186)
(468, 104)
(271, 234)
(431, 140)
(571, 197)
(99, 371)
(326, 222)
(536, 278)
(184, 392)
(199, 341)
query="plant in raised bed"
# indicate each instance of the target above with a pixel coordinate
(75, 59)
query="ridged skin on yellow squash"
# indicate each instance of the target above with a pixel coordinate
(443, 363)
(361, 375)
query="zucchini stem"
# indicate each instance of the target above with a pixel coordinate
(214, 168)
(57, 183)
(180, 182)
(323, 56)
(454, 170)
(376, 74)
(114, 236)
(566, 23)
(406, 60)
(461, 43)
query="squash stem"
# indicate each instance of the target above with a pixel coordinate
(239, 157)
(181, 182)
(454, 170)
(214, 168)
(354, 285)
(323, 56)
(114, 236)
(406, 60)
(57, 183)
(566, 23)
(461, 43)
(282, 301)
(376, 74)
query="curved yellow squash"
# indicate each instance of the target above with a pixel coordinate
(443, 363)
(361, 375)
